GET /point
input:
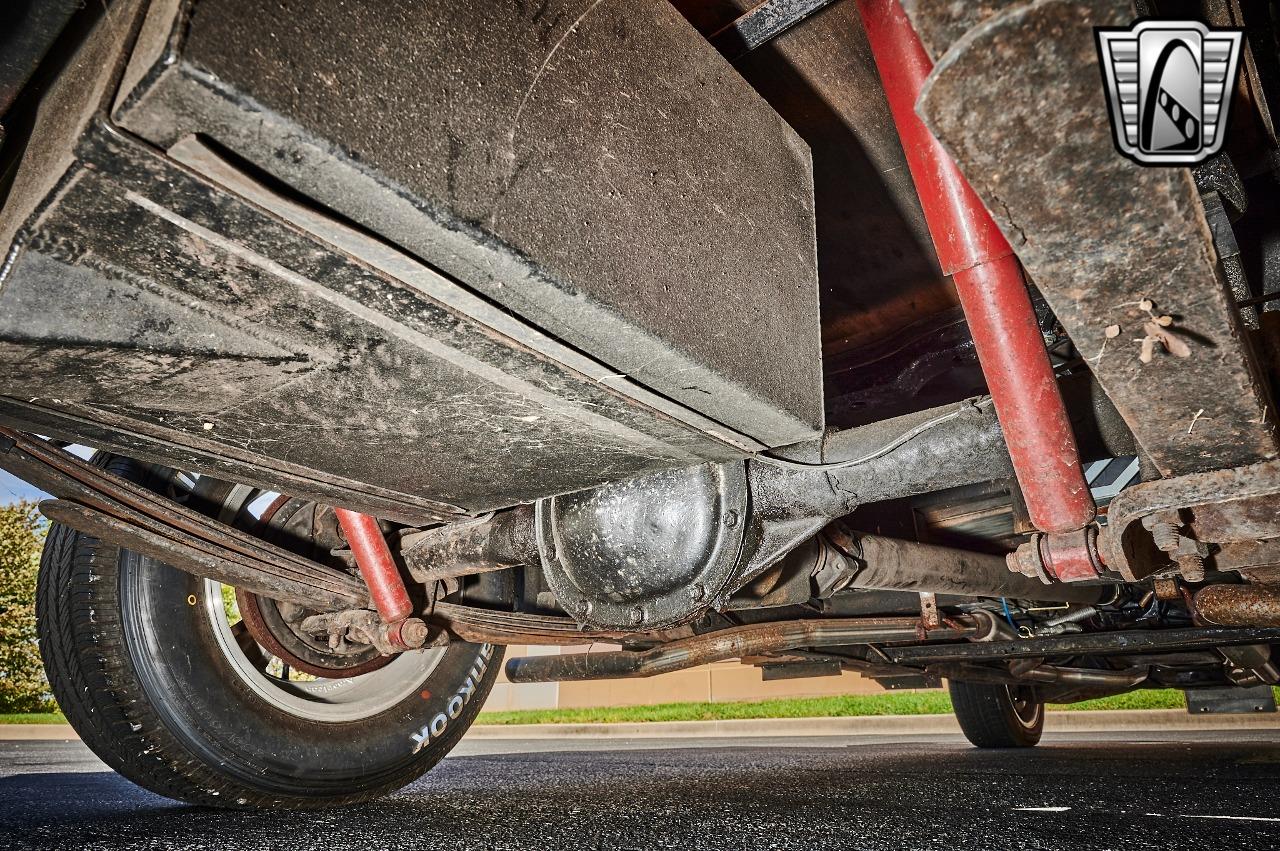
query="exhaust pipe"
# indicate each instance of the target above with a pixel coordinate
(1086, 677)
(1238, 605)
(887, 564)
(753, 640)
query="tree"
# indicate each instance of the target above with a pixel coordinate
(23, 687)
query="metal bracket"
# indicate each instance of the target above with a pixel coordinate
(1223, 506)
(1230, 701)
(762, 24)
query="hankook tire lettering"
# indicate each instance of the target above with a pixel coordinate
(434, 728)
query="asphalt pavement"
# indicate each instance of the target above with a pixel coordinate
(1076, 792)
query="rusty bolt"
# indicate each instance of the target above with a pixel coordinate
(1166, 536)
(414, 632)
(1026, 559)
(408, 634)
(730, 519)
(637, 615)
(1020, 561)
(697, 592)
(1192, 566)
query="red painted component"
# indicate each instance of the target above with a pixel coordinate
(992, 292)
(1025, 391)
(373, 557)
(963, 233)
(1072, 556)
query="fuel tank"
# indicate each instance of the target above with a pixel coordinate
(420, 258)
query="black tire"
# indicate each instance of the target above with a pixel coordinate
(140, 676)
(997, 716)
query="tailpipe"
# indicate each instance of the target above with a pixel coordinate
(1086, 677)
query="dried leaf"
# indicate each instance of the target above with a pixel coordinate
(1148, 350)
(1164, 321)
(1146, 304)
(1167, 337)
(1111, 332)
(1176, 345)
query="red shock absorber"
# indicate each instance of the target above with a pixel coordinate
(1001, 319)
(992, 291)
(386, 586)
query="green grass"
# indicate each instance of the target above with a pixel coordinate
(1144, 699)
(32, 718)
(900, 703)
(890, 703)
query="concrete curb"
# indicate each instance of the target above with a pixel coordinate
(870, 725)
(1114, 721)
(37, 733)
(1121, 720)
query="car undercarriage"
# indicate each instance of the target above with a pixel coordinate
(821, 335)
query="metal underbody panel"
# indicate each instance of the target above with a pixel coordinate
(542, 278)
(1112, 245)
(552, 158)
(482, 322)
(185, 314)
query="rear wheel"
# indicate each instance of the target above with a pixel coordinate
(149, 666)
(998, 716)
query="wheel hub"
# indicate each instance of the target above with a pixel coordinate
(311, 530)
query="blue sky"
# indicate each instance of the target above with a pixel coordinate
(13, 489)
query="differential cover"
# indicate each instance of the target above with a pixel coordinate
(648, 552)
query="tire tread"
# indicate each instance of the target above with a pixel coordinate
(987, 717)
(82, 642)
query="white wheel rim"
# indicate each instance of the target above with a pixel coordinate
(348, 699)
(333, 701)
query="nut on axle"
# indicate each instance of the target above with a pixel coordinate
(407, 634)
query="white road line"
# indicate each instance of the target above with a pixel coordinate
(1220, 818)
